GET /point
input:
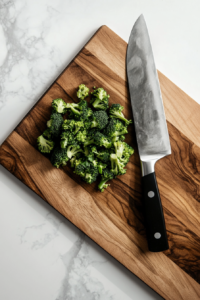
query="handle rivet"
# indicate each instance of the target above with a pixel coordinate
(157, 235)
(151, 194)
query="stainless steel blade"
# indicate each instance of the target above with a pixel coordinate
(147, 105)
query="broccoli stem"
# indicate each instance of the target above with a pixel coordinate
(94, 124)
(124, 131)
(102, 183)
(49, 123)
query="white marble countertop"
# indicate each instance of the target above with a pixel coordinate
(42, 255)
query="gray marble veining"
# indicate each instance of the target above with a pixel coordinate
(148, 112)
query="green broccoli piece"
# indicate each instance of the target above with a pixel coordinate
(78, 110)
(82, 166)
(67, 138)
(44, 145)
(59, 157)
(78, 125)
(100, 99)
(55, 124)
(101, 166)
(115, 128)
(102, 140)
(117, 167)
(115, 111)
(82, 92)
(123, 151)
(103, 155)
(68, 125)
(82, 136)
(100, 119)
(118, 138)
(47, 134)
(59, 106)
(72, 161)
(107, 175)
(89, 113)
(90, 137)
(73, 150)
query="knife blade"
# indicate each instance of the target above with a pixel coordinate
(150, 127)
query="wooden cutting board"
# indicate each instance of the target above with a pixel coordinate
(114, 219)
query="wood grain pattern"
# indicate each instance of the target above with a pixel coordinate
(114, 219)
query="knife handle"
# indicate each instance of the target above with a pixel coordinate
(153, 213)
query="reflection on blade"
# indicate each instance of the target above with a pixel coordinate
(148, 112)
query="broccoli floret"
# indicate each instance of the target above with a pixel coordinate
(90, 137)
(107, 175)
(117, 167)
(78, 110)
(78, 125)
(55, 124)
(101, 166)
(59, 106)
(118, 138)
(82, 166)
(89, 113)
(44, 145)
(81, 136)
(83, 91)
(123, 151)
(102, 140)
(103, 155)
(100, 119)
(59, 157)
(115, 128)
(68, 125)
(73, 150)
(115, 111)
(47, 134)
(67, 138)
(100, 99)
(91, 177)
(72, 161)
(91, 173)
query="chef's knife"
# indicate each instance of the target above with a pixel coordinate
(150, 126)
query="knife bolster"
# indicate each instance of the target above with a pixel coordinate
(148, 167)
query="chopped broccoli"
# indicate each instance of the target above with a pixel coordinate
(123, 151)
(44, 145)
(103, 155)
(90, 137)
(100, 99)
(73, 150)
(115, 128)
(67, 138)
(68, 125)
(81, 167)
(72, 161)
(102, 140)
(59, 106)
(55, 124)
(118, 138)
(47, 134)
(100, 119)
(78, 110)
(82, 92)
(117, 167)
(59, 157)
(115, 111)
(101, 166)
(107, 175)
(78, 125)
(81, 136)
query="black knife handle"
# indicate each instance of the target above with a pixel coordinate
(153, 213)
